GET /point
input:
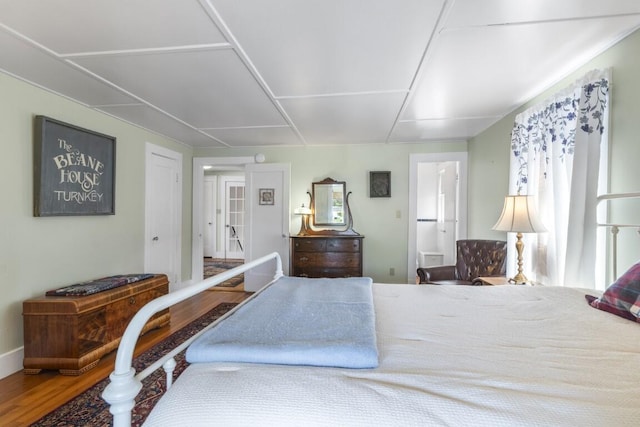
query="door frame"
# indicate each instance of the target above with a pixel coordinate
(150, 151)
(222, 163)
(412, 217)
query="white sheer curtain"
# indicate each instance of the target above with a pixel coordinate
(559, 153)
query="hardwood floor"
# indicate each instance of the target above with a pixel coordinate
(26, 398)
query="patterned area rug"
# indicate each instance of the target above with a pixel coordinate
(213, 266)
(89, 409)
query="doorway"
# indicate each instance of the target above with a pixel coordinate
(437, 209)
(265, 228)
(223, 214)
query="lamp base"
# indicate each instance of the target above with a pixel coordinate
(304, 226)
(519, 279)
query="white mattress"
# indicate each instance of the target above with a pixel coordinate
(449, 355)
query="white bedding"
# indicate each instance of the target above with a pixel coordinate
(449, 355)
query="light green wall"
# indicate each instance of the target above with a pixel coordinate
(38, 254)
(385, 243)
(489, 152)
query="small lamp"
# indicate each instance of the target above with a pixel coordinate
(519, 215)
(304, 224)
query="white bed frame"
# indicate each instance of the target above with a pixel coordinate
(614, 228)
(125, 384)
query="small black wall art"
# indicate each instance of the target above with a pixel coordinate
(380, 184)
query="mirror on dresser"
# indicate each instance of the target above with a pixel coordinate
(328, 203)
(330, 211)
(327, 245)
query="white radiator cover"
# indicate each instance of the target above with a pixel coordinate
(430, 259)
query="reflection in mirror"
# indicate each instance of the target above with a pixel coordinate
(328, 200)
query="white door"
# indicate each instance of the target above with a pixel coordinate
(209, 215)
(267, 228)
(234, 219)
(447, 202)
(163, 207)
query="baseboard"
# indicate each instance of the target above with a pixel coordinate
(11, 362)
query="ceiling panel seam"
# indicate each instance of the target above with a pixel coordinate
(146, 103)
(226, 32)
(540, 21)
(444, 11)
(58, 57)
(142, 51)
(338, 94)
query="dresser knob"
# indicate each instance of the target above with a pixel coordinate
(132, 300)
(304, 258)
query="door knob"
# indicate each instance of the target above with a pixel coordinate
(155, 239)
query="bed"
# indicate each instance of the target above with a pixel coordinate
(446, 355)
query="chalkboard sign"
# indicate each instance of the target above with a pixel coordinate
(74, 170)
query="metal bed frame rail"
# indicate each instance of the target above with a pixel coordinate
(615, 227)
(125, 384)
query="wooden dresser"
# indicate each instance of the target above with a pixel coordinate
(72, 333)
(326, 256)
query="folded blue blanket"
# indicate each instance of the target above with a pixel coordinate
(298, 321)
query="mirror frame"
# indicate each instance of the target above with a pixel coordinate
(308, 221)
(317, 194)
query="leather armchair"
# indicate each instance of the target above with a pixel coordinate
(474, 258)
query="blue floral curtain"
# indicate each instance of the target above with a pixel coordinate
(559, 154)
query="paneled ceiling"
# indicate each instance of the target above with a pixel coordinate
(231, 73)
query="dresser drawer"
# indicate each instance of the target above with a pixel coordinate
(331, 272)
(305, 259)
(310, 245)
(343, 245)
(338, 259)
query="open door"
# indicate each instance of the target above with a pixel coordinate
(267, 219)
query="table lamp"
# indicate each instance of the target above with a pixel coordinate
(304, 224)
(519, 215)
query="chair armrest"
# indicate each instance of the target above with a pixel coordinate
(434, 274)
(477, 282)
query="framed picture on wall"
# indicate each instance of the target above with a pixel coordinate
(265, 196)
(74, 170)
(380, 184)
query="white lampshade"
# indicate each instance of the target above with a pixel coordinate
(520, 215)
(302, 210)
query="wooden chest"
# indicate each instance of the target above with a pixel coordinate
(326, 256)
(72, 333)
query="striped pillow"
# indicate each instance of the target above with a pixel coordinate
(622, 298)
